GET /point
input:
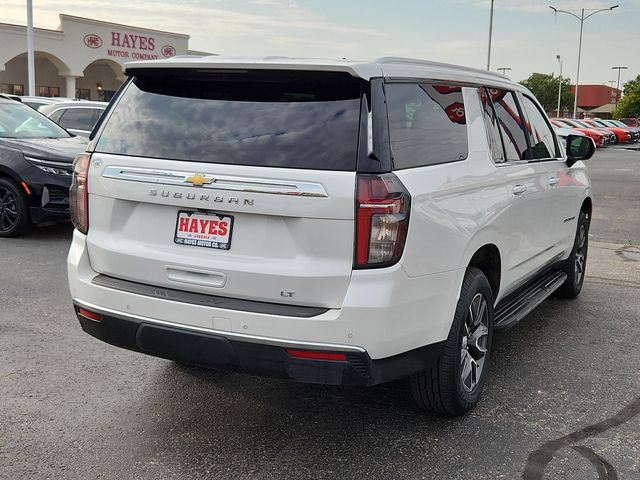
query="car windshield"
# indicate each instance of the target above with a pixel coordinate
(582, 124)
(20, 121)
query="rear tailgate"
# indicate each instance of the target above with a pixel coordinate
(190, 193)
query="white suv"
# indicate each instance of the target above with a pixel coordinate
(331, 222)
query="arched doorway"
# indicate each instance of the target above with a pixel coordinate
(50, 79)
(100, 81)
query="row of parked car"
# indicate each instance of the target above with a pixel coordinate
(603, 132)
(77, 116)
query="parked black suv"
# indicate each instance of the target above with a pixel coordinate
(35, 168)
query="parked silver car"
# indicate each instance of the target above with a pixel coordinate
(77, 117)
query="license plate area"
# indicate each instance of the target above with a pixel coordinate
(203, 229)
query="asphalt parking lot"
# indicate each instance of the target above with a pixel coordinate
(563, 400)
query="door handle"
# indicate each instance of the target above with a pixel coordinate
(553, 181)
(519, 189)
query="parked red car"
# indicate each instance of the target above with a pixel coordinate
(623, 135)
(632, 122)
(596, 136)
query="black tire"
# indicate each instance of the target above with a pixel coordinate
(441, 389)
(576, 265)
(14, 210)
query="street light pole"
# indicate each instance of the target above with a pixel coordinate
(504, 70)
(618, 87)
(31, 72)
(559, 84)
(490, 33)
(582, 19)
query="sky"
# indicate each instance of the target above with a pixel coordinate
(527, 35)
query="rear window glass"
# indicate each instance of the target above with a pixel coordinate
(261, 118)
(427, 124)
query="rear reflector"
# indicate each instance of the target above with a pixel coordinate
(96, 317)
(340, 357)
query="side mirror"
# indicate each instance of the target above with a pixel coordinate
(579, 148)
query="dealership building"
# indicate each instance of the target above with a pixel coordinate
(82, 58)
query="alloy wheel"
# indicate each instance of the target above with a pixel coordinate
(8, 209)
(475, 337)
(581, 255)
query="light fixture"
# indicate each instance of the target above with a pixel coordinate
(581, 18)
(99, 86)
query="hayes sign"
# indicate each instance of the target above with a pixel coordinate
(128, 45)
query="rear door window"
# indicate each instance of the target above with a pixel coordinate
(492, 126)
(262, 118)
(511, 125)
(427, 124)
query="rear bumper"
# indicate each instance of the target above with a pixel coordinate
(386, 316)
(266, 357)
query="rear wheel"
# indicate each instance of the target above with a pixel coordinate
(576, 265)
(14, 210)
(453, 385)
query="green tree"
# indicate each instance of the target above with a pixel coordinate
(545, 88)
(629, 105)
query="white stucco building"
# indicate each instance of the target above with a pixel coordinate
(82, 58)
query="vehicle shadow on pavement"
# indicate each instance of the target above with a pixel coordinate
(258, 424)
(53, 232)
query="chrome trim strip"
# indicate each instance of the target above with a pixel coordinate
(278, 342)
(218, 182)
(376, 205)
(370, 151)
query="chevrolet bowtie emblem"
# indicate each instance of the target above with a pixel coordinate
(199, 180)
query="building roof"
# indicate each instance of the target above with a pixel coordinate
(73, 18)
(388, 67)
(606, 108)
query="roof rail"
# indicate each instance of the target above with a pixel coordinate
(428, 63)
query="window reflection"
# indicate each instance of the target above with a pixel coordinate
(296, 125)
(427, 124)
(511, 128)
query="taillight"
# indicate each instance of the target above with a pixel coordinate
(382, 220)
(78, 194)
